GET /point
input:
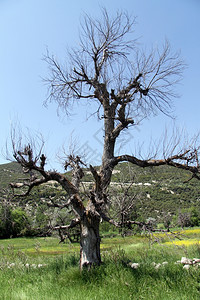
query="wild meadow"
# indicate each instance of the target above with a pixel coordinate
(133, 268)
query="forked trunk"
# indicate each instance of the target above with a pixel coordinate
(90, 242)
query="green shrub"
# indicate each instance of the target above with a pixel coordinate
(20, 222)
(5, 222)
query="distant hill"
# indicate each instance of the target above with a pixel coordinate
(161, 189)
(9, 173)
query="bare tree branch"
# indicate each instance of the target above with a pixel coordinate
(174, 161)
(72, 224)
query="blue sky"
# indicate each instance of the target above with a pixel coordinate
(28, 27)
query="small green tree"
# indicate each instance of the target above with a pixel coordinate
(20, 222)
(5, 221)
(194, 216)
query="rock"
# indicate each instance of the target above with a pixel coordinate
(186, 267)
(12, 265)
(157, 266)
(135, 265)
(186, 261)
(34, 266)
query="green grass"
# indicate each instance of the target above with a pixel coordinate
(59, 276)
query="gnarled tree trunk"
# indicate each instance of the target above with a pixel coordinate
(90, 241)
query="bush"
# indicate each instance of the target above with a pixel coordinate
(13, 223)
(194, 217)
(20, 222)
(188, 217)
(5, 222)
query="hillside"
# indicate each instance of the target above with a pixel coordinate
(161, 189)
(9, 173)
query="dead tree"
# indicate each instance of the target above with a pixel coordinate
(123, 205)
(125, 84)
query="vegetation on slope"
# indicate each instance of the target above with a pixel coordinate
(162, 194)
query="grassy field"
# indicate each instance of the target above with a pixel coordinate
(42, 269)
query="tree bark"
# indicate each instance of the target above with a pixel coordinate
(90, 241)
